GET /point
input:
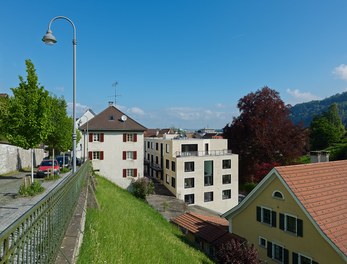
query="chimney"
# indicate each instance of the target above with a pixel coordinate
(319, 156)
(110, 103)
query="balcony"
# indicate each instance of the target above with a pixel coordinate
(204, 153)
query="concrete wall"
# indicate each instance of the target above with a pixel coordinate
(15, 158)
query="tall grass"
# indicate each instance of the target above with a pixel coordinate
(127, 230)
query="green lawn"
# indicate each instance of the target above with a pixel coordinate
(128, 230)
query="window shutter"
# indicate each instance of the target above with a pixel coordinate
(124, 173)
(269, 249)
(135, 137)
(90, 155)
(258, 213)
(124, 137)
(135, 155)
(124, 155)
(135, 172)
(300, 230)
(286, 256)
(295, 257)
(90, 137)
(101, 155)
(273, 220)
(282, 221)
(102, 137)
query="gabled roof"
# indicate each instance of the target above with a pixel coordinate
(212, 229)
(110, 120)
(320, 189)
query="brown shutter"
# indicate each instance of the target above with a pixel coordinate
(102, 137)
(135, 137)
(90, 137)
(124, 137)
(135, 172)
(124, 155)
(101, 155)
(124, 173)
(135, 155)
(90, 155)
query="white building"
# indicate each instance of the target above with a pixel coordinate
(82, 145)
(115, 146)
(198, 171)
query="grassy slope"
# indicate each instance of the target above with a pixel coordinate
(127, 230)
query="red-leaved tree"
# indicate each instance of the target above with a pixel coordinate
(264, 133)
(236, 252)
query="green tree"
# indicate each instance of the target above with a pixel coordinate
(59, 138)
(326, 129)
(3, 114)
(27, 122)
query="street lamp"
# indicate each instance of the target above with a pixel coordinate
(84, 144)
(50, 40)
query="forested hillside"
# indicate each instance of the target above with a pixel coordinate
(306, 111)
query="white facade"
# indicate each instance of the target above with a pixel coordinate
(82, 145)
(115, 159)
(198, 171)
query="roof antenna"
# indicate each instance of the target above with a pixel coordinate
(115, 93)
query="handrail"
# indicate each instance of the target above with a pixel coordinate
(36, 236)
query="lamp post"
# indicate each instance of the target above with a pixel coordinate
(50, 40)
(84, 144)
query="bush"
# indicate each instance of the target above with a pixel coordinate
(32, 190)
(142, 187)
(237, 252)
(247, 187)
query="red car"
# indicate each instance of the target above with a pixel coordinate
(46, 168)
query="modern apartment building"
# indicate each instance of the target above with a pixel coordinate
(200, 172)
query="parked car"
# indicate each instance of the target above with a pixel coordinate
(78, 161)
(46, 166)
(64, 161)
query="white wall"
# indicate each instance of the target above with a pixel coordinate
(15, 158)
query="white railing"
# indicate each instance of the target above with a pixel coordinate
(204, 153)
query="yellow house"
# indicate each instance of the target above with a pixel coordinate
(296, 214)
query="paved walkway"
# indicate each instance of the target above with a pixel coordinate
(169, 206)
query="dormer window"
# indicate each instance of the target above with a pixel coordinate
(278, 195)
(111, 118)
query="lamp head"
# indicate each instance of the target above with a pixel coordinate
(49, 39)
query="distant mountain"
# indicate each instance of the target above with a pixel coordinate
(305, 112)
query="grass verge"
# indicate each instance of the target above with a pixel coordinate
(128, 230)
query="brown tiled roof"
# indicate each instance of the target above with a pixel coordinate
(110, 120)
(208, 230)
(321, 188)
(156, 132)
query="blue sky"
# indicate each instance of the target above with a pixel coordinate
(182, 63)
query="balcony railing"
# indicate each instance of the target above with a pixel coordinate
(222, 152)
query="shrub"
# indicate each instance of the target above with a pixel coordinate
(237, 253)
(31, 190)
(142, 187)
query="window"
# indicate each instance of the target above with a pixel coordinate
(189, 166)
(278, 195)
(130, 137)
(167, 164)
(156, 160)
(208, 180)
(129, 173)
(173, 166)
(189, 198)
(277, 252)
(301, 259)
(148, 145)
(208, 196)
(266, 216)
(226, 164)
(226, 178)
(167, 179)
(156, 146)
(96, 155)
(208, 172)
(173, 182)
(262, 242)
(96, 137)
(189, 183)
(291, 224)
(226, 194)
(167, 146)
(129, 155)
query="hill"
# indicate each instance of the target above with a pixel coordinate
(128, 230)
(305, 112)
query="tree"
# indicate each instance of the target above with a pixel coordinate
(326, 129)
(264, 133)
(3, 114)
(27, 122)
(236, 252)
(59, 138)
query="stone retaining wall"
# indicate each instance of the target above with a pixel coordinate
(15, 158)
